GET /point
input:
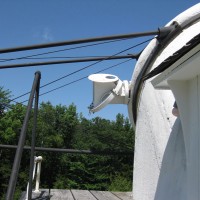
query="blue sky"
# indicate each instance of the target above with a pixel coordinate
(33, 22)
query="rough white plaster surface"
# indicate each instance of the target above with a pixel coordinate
(159, 161)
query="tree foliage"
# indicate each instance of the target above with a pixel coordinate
(62, 127)
(4, 100)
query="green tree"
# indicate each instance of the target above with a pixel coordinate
(61, 127)
(4, 100)
(10, 125)
(56, 129)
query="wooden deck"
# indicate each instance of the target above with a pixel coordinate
(79, 195)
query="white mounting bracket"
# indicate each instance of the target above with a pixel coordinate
(108, 89)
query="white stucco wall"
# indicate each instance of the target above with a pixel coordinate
(159, 162)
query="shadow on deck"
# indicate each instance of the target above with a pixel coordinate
(56, 194)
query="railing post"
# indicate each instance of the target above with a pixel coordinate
(33, 136)
(18, 154)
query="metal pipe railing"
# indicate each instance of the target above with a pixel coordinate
(18, 154)
(133, 56)
(161, 32)
(33, 138)
(72, 151)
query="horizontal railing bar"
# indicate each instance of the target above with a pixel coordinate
(160, 32)
(71, 151)
(68, 61)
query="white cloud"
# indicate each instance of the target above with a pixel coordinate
(43, 34)
(47, 35)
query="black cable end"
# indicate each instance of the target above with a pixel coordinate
(134, 56)
(165, 31)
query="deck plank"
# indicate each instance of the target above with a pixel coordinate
(124, 195)
(58, 194)
(61, 194)
(104, 195)
(43, 195)
(82, 195)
